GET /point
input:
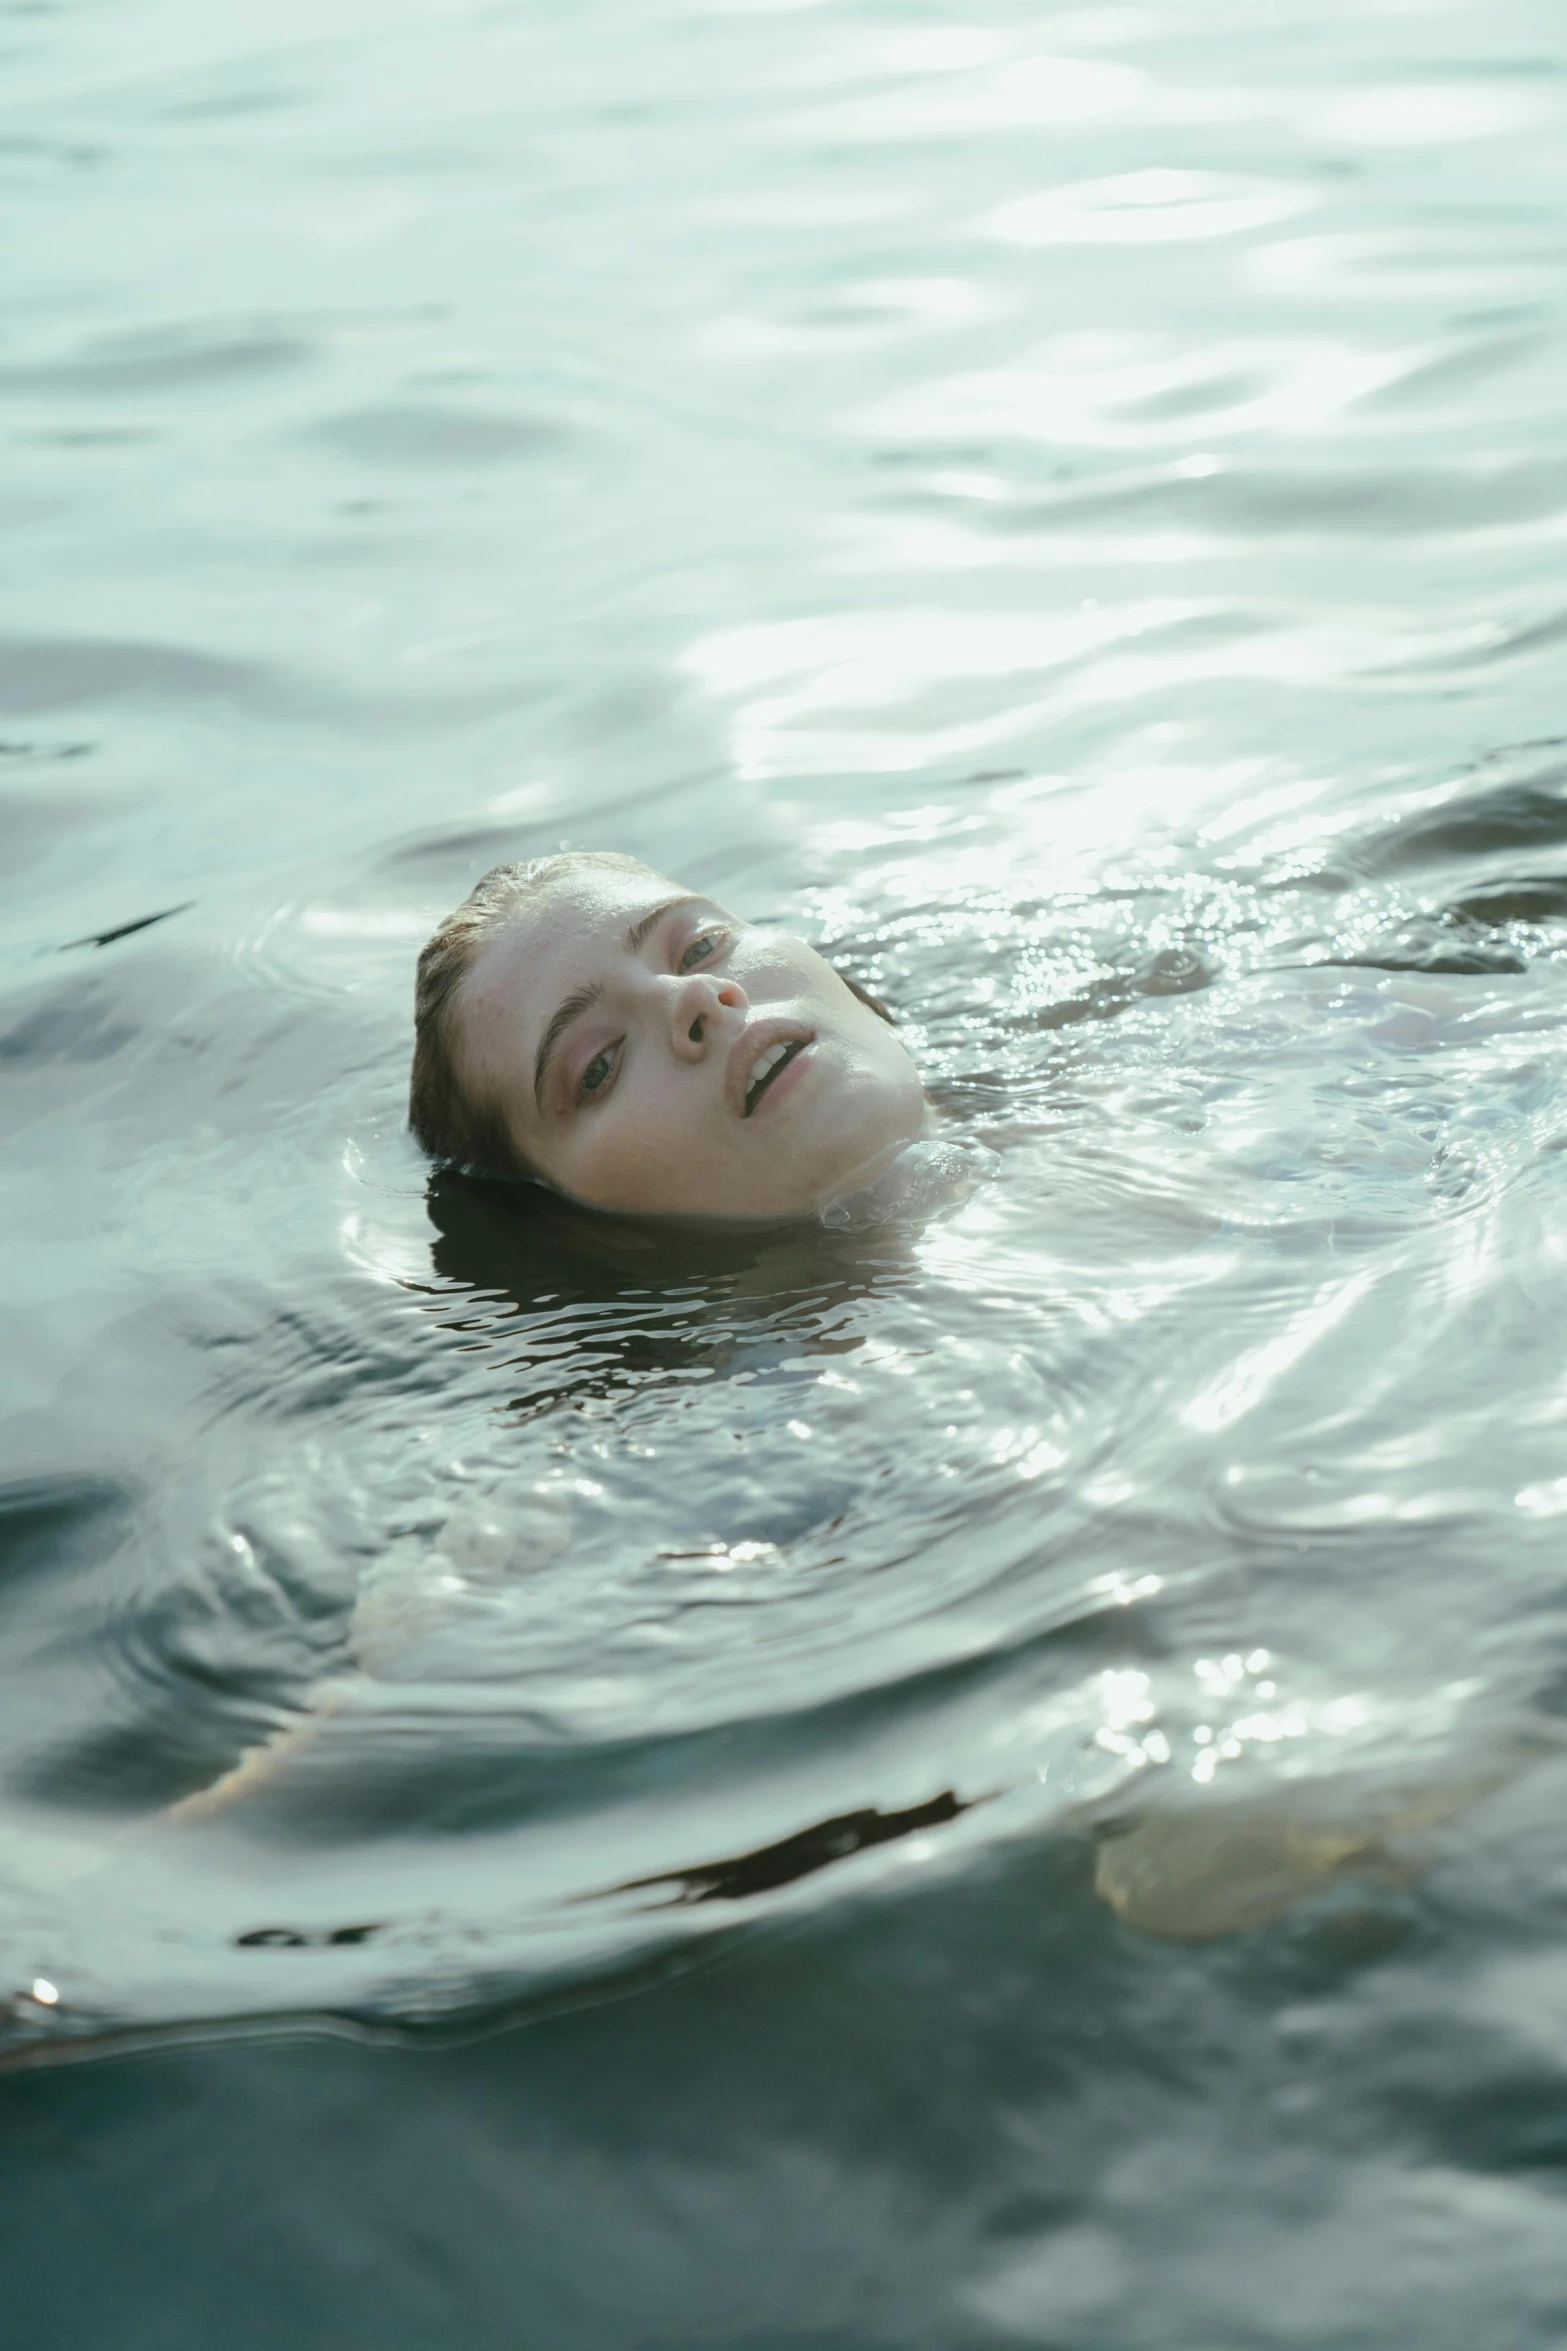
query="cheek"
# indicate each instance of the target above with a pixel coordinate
(641, 1151)
(773, 964)
(892, 1058)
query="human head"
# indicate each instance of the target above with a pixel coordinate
(586, 1021)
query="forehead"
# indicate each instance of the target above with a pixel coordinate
(600, 899)
(556, 938)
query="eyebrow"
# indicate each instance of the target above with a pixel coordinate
(578, 1002)
(641, 930)
(583, 999)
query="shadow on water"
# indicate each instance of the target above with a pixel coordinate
(1493, 820)
(57, 1524)
(127, 930)
(1486, 916)
(802, 1855)
(617, 1303)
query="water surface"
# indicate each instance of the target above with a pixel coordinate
(1001, 1783)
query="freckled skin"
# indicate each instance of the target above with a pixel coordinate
(639, 1112)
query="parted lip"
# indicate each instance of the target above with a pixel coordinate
(753, 1039)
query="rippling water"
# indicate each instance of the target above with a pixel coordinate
(1014, 1773)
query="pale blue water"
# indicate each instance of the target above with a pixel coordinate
(994, 1785)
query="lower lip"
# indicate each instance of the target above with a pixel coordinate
(783, 1081)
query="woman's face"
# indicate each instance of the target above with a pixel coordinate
(653, 1055)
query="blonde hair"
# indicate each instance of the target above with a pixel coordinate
(448, 1119)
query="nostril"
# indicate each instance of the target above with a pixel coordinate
(694, 1032)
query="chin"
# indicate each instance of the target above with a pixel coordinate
(855, 1153)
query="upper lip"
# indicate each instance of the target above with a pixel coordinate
(753, 1039)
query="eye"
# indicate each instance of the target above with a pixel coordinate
(701, 949)
(596, 1077)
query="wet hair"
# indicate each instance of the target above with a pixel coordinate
(451, 1121)
(456, 1125)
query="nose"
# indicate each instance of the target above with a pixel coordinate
(697, 1015)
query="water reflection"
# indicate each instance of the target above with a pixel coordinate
(614, 1304)
(1149, 207)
